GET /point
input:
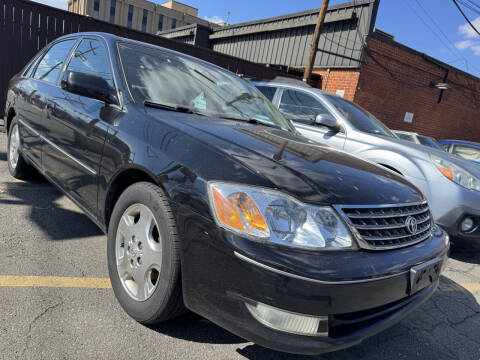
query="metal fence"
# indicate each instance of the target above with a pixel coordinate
(26, 27)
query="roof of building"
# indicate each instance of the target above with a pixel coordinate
(284, 40)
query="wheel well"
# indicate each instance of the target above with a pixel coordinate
(391, 168)
(121, 182)
(10, 115)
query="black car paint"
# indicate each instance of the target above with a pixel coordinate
(83, 146)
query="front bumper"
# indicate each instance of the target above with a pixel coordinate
(450, 204)
(361, 292)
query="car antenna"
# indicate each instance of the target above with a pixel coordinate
(281, 149)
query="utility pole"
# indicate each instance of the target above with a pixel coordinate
(316, 38)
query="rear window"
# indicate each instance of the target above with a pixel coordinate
(268, 91)
(467, 152)
(405, 137)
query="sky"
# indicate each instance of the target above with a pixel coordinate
(434, 27)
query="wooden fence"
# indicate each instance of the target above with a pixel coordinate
(26, 27)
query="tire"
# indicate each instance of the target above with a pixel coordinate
(19, 169)
(127, 244)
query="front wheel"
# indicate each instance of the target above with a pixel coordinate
(17, 166)
(143, 255)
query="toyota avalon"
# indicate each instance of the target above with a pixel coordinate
(212, 202)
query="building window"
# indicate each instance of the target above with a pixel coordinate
(174, 23)
(144, 20)
(96, 9)
(113, 5)
(160, 23)
(130, 16)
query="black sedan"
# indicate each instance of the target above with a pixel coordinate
(212, 202)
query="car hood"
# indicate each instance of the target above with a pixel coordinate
(425, 152)
(309, 171)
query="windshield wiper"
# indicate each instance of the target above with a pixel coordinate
(182, 109)
(251, 121)
(241, 97)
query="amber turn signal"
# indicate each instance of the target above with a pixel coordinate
(239, 211)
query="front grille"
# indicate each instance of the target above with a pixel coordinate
(390, 226)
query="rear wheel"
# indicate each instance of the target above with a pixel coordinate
(17, 166)
(143, 255)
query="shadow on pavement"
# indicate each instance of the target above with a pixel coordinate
(57, 222)
(192, 327)
(470, 256)
(446, 327)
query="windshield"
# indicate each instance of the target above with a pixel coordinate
(165, 78)
(360, 118)
(428, 141)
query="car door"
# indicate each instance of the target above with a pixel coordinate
(302, 109)
(75, 129)
(35, 91)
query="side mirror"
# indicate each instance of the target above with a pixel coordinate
(328, 121)
(89, 85)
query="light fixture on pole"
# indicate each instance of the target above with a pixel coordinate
(440, 85)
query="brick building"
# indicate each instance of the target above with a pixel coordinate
(360, 63)
(395, 79)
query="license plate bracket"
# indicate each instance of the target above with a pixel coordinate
(424, 275)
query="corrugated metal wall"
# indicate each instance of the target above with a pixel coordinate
(184, 34)
(286, 40)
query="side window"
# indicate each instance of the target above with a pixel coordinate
(445, 147)
(301, 107)
(466, 152)
(52, 62)
(31, 67)
(268, 92)
(91, 57)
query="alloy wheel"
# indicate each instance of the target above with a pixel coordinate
(14, 146)
(138, 252)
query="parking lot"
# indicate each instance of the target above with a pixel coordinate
(56, 302)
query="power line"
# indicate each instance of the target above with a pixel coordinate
(469, 6)
(465, 16)
(452, 46)
(449, 46)
(474, 3)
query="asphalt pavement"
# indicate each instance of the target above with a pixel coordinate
(55, 300)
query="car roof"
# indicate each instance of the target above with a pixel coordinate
(462, 142)
(281, 81)
(404, 132)
(114, 38)
(297, 85)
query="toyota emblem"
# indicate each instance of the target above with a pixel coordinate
(411, 225)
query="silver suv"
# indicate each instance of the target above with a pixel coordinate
(451, 184)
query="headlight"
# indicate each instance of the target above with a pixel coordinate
(456, 174)
(272, 217)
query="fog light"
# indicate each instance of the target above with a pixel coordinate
(467, 224)
(289, 322)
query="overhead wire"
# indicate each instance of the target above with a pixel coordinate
(466, 17)
(474, 3)
(450, 46)
(469, 6)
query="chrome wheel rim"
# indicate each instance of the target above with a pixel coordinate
(138, 252)
(13, 146)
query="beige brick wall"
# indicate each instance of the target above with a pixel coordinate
(85, 7)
